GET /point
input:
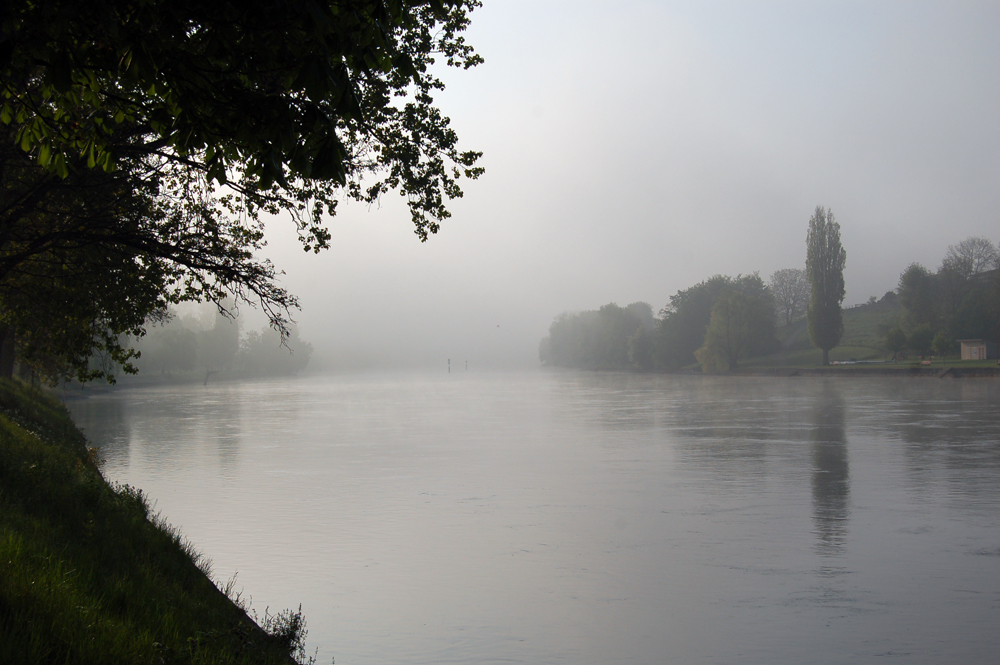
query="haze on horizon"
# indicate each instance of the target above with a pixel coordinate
(635, 149)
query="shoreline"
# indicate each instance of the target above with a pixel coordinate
(92, 574)
(938, 372)
(951, 372)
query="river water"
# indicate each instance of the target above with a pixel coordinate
(575, 517)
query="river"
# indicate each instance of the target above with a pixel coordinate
(575, 517)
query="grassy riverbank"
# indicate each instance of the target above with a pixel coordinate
(861, 350)
(88, 575)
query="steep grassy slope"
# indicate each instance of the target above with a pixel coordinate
(862, 339)
(86, 576)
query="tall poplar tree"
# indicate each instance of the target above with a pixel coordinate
(825, 260)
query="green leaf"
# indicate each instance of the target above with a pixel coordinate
(59, 161)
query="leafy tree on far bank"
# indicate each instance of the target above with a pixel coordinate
(170, 348)
(942, 345)
(825, 260)
(218, 345)
(973, 256)
(921, 340)
(742, 322)
(895, 341)
(615, 325)
(642, 349)
(917, 295)
(262, 353)
(961, 299)
(601, 339)
(643, 312)
(790, 290)
(682, 326)
(685, 322)
(213, 343)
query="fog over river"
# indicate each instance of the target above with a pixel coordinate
(573, 517)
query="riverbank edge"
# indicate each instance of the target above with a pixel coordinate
(866, 372)
(89, 575)
(847, 372)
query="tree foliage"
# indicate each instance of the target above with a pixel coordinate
(973, 256)
(961, 299)
(67, 293)
(186, 346)
(742, 324)
(611, 337)
(942, 345)
(921, 340)
(250, 93)
(264, 353)
(156, 135)
(917, 295)
(895, 341)
(790, 290)
(683, 322)
(825, 260)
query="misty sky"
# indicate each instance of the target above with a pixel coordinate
(633, 149)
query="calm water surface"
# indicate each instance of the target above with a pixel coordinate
(570, 517)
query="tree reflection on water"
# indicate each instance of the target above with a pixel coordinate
(831, 482)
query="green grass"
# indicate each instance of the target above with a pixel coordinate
(87, 575)
(862, 335)
(862, 340)
(862, 326)
(813, 357)
(941, 363)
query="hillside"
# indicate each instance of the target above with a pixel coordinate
(862, 339)
(89, 576)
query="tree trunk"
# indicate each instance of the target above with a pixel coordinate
(7, 352)
(826, 357)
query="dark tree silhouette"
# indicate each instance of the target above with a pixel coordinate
(825, 260)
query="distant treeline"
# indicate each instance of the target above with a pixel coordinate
(961, 300)
(213, 343)
(722, 320)
(735, 315)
